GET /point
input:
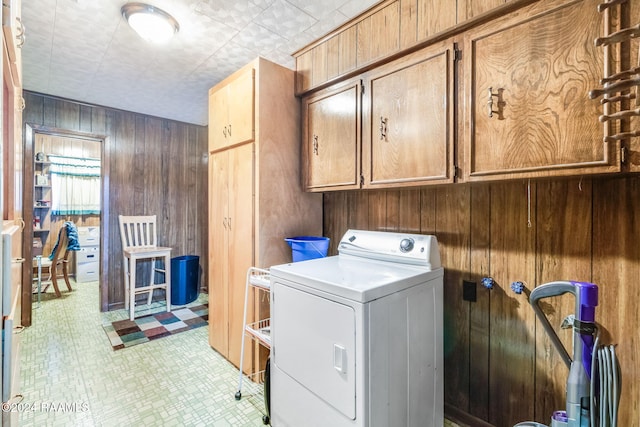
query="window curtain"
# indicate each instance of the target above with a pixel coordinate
(75, 185)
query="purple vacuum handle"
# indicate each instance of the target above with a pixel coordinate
(586, 302)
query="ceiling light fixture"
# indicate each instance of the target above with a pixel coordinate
(152, 24)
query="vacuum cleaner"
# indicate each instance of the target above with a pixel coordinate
(594, 383)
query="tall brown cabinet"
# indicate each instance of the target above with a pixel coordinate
(255, 193)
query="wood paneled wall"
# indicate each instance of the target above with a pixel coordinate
(499, 364)
(155, 166)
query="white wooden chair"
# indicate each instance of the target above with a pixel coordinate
(140, 242)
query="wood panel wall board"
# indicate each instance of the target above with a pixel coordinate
(563, 253)
(512, 342)
(304, 62)
(428, 208)
(319, 65)
(176, 237)
(435, 16)
(616, 269)
(393, 210)
(348, 50)
(335, 226)
(384, 27)
(468, 9)
(479, 311)
(452, 231)
(408, 23)
(333, 57)
(358, 210)
(409, 211)
(377, 211)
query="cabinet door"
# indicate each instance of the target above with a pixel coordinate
(408, 136)
(218, 118)
(331, 138)
(231, 112)
(527, 78)
(241, 245)
(218, 252)
(241, 103)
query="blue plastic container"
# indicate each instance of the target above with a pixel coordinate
(308, 247)
(184, 279)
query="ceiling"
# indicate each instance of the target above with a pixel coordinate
(84, 50)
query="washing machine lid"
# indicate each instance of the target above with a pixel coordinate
(358, 279)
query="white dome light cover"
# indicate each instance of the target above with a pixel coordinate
(151, 23)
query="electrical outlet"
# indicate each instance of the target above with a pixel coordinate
(469, 291)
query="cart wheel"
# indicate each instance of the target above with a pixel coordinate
(238, 395)
(265, 419)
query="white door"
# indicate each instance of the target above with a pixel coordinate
(314, 343)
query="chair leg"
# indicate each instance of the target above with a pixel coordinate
(125, 264)
(152, 280)
(65, 272)
(167, 281)
(54, 279)
(132, 289)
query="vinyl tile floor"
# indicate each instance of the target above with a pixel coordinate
(70, 376)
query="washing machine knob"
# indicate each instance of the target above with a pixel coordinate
(406, 245)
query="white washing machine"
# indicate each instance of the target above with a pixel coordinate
(357, 337)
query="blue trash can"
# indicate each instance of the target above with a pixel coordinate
(184, 279)
(308, 247)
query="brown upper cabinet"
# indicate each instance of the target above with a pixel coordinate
(406, 111)
(231, 116)
(527, 79)
(408, 120)
(331, 138)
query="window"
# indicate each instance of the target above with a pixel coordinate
(75, 185)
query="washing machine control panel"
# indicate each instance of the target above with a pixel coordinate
(419, 249)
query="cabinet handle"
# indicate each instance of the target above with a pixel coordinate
(229, 130)
(18, 260)
(224, 131)
(20, 37)
(229, 222)
(500, 103)
(383, 128)
(224, 222)
(315, 144)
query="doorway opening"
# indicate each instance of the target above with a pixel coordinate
(65, 181)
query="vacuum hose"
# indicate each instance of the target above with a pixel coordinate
(604, 406)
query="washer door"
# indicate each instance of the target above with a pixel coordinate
(314, 342)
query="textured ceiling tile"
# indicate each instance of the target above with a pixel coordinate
(234, 13)
(260, 38)
(318, 9)
(285, 19)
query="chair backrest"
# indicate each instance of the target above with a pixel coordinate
(138, 231)
(60, 249)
